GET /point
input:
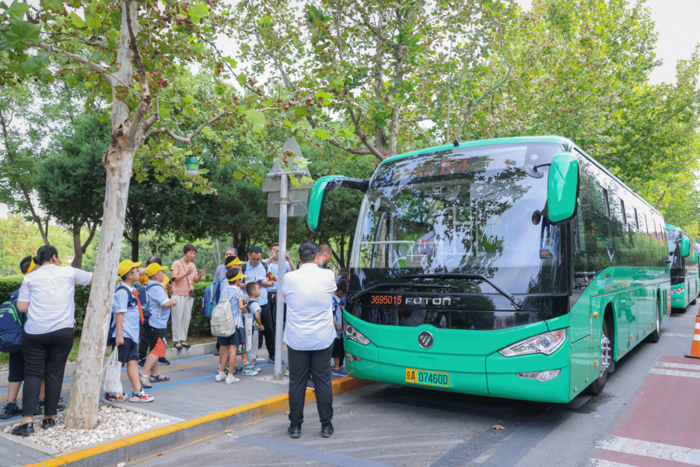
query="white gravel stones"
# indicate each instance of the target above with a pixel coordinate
(112, 422)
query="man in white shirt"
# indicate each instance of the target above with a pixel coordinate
(309, 334)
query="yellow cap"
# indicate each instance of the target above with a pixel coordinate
(32, 265)
(126, 266)
(154, 268)
(235, 262)
(239, 276)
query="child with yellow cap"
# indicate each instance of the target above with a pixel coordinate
(128, 315)
(229, 345)
(160, 304)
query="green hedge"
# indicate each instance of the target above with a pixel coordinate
(199, 326)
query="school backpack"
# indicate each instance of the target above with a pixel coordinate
(10, 325)
(211, 299)
(222, 324)
(245, 266)
(131, 302)
(143, 298)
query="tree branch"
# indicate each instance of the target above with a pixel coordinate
(188, 138)
(145, 102)
(93, 229)
(78, 58)
(361, 134)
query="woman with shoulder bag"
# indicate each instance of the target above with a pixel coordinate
(48, 296)
(184, 276)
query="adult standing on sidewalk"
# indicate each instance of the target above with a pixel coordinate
(255, 271)
(274, 266)
(309, 334)
(48, 296)
(184, 276)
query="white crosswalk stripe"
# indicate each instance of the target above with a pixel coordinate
(604, 463)
(662, 451)
(687, 374)
(680, 366)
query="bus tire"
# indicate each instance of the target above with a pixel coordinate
(597, 386)
(656, 335)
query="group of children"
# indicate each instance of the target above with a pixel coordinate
(141, 309)
(246, 313)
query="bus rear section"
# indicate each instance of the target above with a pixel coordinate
(683, 259)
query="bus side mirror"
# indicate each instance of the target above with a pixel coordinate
(562, 188)
(685, 246)
(322, 187)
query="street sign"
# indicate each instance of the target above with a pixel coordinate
(298, 204)
(273, 180)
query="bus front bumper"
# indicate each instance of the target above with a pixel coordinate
(493, 375)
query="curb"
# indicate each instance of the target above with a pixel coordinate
(144, 444)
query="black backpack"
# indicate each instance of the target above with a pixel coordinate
(245, 266)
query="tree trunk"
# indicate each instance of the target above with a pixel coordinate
(127, 138)
(85, 393)
(77, 247)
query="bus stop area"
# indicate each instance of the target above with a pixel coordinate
(191, 397)
(646, 417)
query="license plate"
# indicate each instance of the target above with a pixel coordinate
(428, 378)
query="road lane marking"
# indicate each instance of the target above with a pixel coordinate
(302, 451)
(662, 451)
(687, 374)
(680, 366)
(604, 463)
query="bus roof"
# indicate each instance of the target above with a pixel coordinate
(523, 139)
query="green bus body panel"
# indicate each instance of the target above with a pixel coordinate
(562, 187)
(684, 293)
(472, 360)
(484, 142)
(315, 208)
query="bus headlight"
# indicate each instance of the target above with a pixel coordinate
(546, 343)
(541, 376)
(354, 335)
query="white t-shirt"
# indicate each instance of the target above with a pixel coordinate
(50, 291)
(308, 292)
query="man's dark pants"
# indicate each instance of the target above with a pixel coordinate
(269, 332)
(316, 362)
(143, 341)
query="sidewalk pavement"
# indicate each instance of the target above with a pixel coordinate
(196, 404)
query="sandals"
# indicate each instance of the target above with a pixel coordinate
(178, 346)
(144, 382)
(186, 345)
(158, 379)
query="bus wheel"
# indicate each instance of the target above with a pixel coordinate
(605, 361)
(656, 335)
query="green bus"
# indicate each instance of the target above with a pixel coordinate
(516, 268)
(683, 256)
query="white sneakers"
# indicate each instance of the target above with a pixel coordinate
(231, 379)
(220, 376)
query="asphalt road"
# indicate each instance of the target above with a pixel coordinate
(644, 417)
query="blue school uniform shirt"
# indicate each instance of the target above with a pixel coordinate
(254, 308)
(157, 296)
(228, 290)
(125, 302)
(257, 273)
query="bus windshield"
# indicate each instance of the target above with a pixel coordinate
(464, 211)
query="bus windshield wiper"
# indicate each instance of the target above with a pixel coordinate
(354, 297)
(517, 303)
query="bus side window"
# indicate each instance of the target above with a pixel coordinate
(623, 213)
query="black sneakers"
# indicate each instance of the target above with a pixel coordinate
(23, 430)
(11, 409)
(326, 430)
(294, 430)
(163, 361)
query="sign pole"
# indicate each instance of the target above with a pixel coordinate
(282, 266)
